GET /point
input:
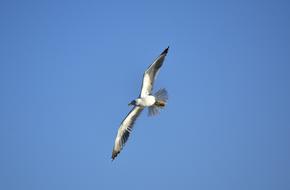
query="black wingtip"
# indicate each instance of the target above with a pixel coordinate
(114, 154)
(165, 51)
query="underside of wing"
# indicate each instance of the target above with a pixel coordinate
(125, 129)
(151, 73)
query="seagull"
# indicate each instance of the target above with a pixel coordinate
(153, 102)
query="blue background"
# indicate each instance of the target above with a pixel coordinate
(68, 69)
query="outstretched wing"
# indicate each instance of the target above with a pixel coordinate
(125, 129)
(150, 74)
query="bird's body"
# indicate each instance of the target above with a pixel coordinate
(145, 100)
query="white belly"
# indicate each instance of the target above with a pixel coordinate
(147, 101)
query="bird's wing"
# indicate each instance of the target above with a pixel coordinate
(125, 129)
(150, 74)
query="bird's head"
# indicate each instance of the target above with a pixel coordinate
(132, 103)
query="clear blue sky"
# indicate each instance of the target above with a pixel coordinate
(68, 69)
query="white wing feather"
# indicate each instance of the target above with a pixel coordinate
(125, 130)
(151, 73)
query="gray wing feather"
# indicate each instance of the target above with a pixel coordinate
(151, 73)
(125, 130)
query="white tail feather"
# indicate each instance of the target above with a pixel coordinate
(161, 95)
(161, 99)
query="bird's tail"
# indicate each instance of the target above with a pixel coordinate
(161, 100)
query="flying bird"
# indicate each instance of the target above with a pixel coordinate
(146, 99)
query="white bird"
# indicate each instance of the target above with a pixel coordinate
(146, 99)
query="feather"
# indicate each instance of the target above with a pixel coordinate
(125, 129)
(151, 73)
